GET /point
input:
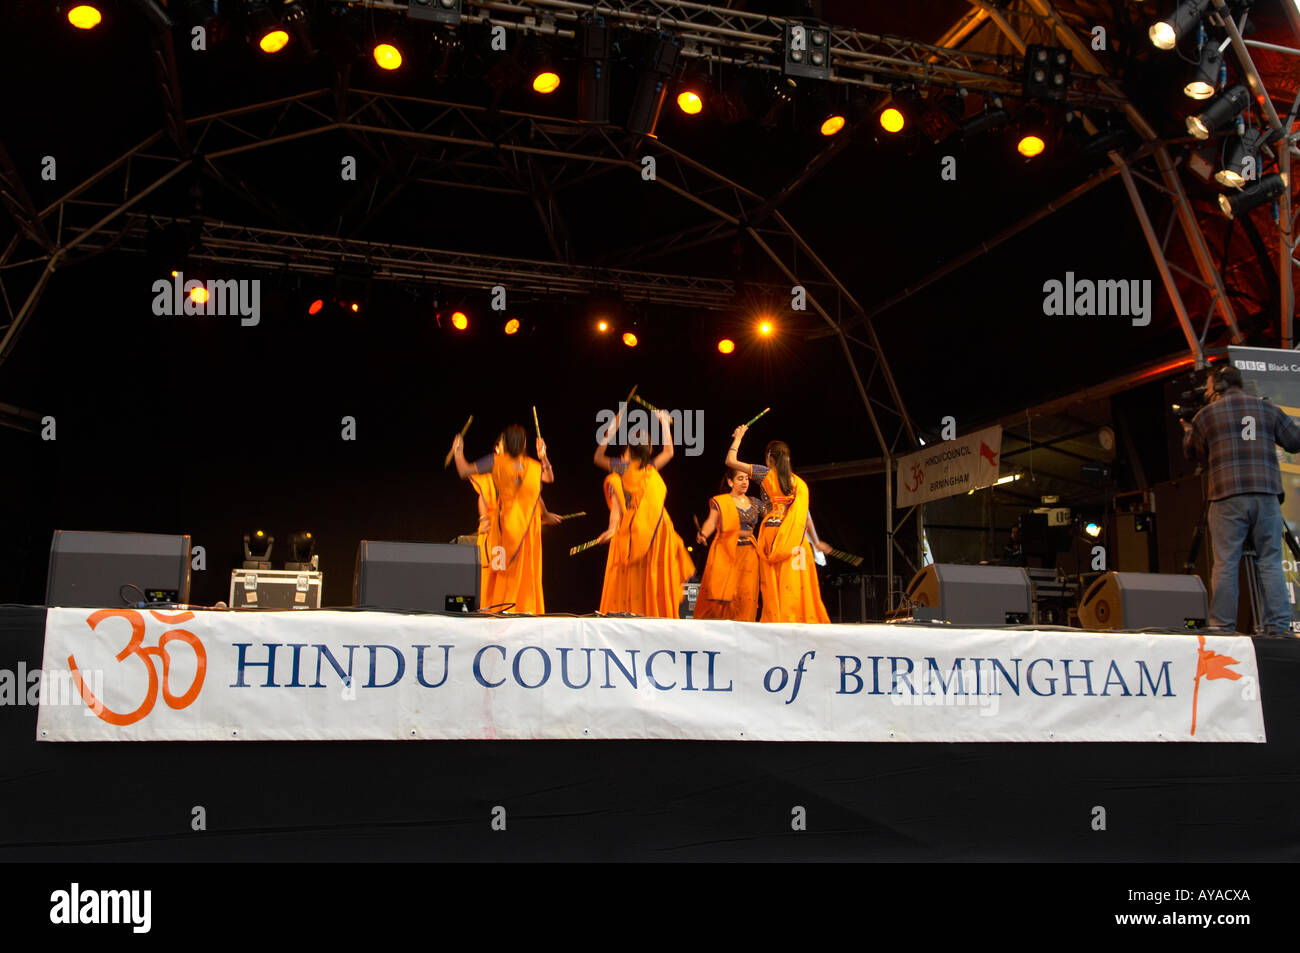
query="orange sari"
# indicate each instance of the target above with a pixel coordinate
(486, 490)
(511, 549)
(657, 561)
(613, 595)
(729, 587)
(787, 573)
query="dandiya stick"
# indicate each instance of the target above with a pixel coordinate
(571, 516)
(630, 395)
(756, 419)
(646, 404)
(463, 430)
(581, 547)
(537, 428)
(849, 558)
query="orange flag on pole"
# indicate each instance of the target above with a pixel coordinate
(1211, 665)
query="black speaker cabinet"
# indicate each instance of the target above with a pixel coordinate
(417, 577)
(1140, 600)
(89, 570)
(971, 595)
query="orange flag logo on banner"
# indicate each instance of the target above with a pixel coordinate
(1211, 665)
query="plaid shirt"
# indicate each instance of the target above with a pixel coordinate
(1238, 465)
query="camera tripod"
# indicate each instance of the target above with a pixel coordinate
(1254, 588)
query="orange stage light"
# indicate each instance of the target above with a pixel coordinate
(388, 56)
(689, 102)
(602, 326)
(832, 125)
(315, 306)
(273, 41)
(84, 16)
(356, 307)
(629, 339)
(726, 345)
(199, 294)
(459, 320)
(546, 82)
(512, 326)
(892, 120)
(1030, 146)
(766, 328)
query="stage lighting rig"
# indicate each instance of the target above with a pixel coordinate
(1242, 163)
(807, 51)
(1047, 73)
(266, 30)
(257, 550)
(436, 11)
(1222, 110)
(1266, 189)
(1164, 34)
(652, 87)
(994, 116)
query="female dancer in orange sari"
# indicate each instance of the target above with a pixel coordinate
(509, 485)
(787, 571)
(657, 562)
(729, 587)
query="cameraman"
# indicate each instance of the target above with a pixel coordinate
(1234, 435)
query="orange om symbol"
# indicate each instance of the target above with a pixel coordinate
(917, 474)
(135, 647)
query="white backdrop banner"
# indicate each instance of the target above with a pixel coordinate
(948, 468)
(132, 675)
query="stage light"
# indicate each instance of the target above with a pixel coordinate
(176, 274)
(546, 82)
(766, 328)
(593, 74)
(199, 294)
(257, 550)
(602, 326)
(387, 56)
(689, 102)
(1222, 110)
(512, 326)
(1164, 34)
(273, 41)
(435, 11)
(1265, 190)
(355, 307)
(459, 320)
(1243, 160)
(1205, 78)
(892, 120)
(1030, 145)
(315, 306)
(302, 550)
(807, 51)
(85, 16)
(1092, 529)
(726, 346)
(629, 339)
(832, 124)
(1047, 73)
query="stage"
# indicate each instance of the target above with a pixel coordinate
(362, 800)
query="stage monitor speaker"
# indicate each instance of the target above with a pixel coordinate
(417, 577)
(1140, 600)
(89, 570)
(972, 595)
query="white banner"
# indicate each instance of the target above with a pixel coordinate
(210, 675)
(948, 468)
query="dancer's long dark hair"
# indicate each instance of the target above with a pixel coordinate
(780, 455)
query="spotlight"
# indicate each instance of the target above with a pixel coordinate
(652, 87)
(315, 306)
(302, 557)
(257, 550)
(1165, 33)
(1242, 162)
(1266, 189)
(387, 56)
(892, 119)
(512, 326)
(807, 51)
(602, 326)
(1047, 73)
(689, 102)
(781, 95)
(459, 320)
(199, 294)
(766, 328)
(1092, 529)
(726, 346)
(1222, 110)
(629, 339)
(273, 41)
(435, 11)
(85, 16)
(1030, 145)
(267, 29)
(1205, 78)
(546, 81)
(832, 124)
(355, 307)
